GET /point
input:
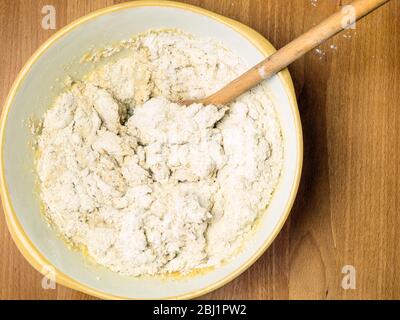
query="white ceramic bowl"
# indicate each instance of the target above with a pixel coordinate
(31, 95)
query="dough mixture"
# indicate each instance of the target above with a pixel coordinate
(148, 186)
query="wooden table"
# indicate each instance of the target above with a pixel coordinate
(347, 209)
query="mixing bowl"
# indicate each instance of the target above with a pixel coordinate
(31, 95)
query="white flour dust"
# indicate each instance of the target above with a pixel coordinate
(149, 186)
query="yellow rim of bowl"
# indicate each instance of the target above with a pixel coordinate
(25, 245)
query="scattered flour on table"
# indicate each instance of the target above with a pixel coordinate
(149, 186)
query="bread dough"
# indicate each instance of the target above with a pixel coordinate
(149, 186)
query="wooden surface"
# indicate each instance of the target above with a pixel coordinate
(347, 209)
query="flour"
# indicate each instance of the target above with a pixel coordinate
(149, 186)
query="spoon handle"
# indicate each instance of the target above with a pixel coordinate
(294, 50)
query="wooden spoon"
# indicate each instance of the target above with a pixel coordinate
(291, 52)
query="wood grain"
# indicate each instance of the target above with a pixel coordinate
(310, 40)
(346, 212)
